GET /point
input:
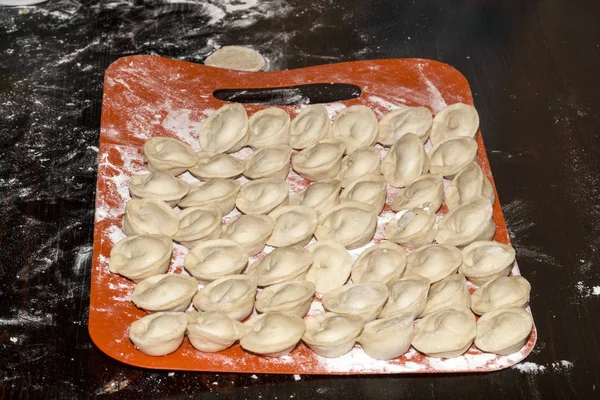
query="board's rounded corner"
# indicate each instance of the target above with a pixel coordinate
(124, 60)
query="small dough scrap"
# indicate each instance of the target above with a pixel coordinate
(450, 156)
(197, 224)
(407, 296)
(213, 259)
(269, 162)
(503, 331)
(450, 292)
(310, 126)
(149, 216)
(141, 256)
(485, 261)
(466, 224)
(389, 338)
(294, 225)
(393, 126)
(331, 265)
(268, 127)
(425, 191)
(445, 334)
(272, 335)
(212, 331)
(340, 225)
(322, 160)
(365, 300)
(217, 165)
(232, 295)
(261, 196)
(158, 334)
(469, 184)
(356, 126)
(225, 130)
(412, 228)
(251, 231)
(169, 155)
(161, 185)
(322, 196)
(332, 335)
(405, 161)
(214, 193)
(434, 262)
(369, 189)
(456, 120)
(364, 161)
(165, 292)
(238, 58)
(289, 298)
(384, 263)
(508, 291)
(283, 264)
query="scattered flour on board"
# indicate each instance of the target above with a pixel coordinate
(533, 368)
(587, 291)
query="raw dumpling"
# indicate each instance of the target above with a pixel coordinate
(407, 296)
(288, 298)
(269, 162)
(160, 185)
(331, 265)
(447, 333)
(485, 261)
(225, 130)
(434, 262)
(386, 339)
(283, 264)
(321, 196)
(399, 122)
(197, 224)
(251, 231)
(261, 196)
(368, 189)
(466, 224)
(469, 184)
(268, 127)
(412, 228)
(149, 216)
(450, 292)
(450, 156)
(362, 299)
(294, 225)
(425, 191)
(405, 161)
(320, 161)
(217, 165)
(139, 257)
(340, 225)
(454, 121)
(503, 331)
(158, 334)
(332, 335)
(213, 259)
(509, 291)
(168, 155)
(238, 58)
(232, 295)
(213, 193)
(212, 331)
(356, 126)
(165, 292)
(364, 161)
(310, 126)
(272, 335)
(384, 262)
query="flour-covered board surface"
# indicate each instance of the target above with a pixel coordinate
(148, 96)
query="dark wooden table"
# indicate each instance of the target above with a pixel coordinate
(533, 67)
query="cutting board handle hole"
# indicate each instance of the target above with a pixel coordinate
(291, 95)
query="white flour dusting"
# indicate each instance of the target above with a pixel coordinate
(529, 368)
(560, 366)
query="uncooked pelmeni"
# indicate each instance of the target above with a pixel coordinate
(169, 155)
(268, 127)
(385, 262)
(165, 292)
(434, 262)
(456, 120)
(332, 335)
(405, 161)
(412, 228)
(362, 299)
(369, 189)
(213, 193)
(283, 264)
(212, 331)
(321, 196)
(468, 184)
(364, 161)
(269, 162)
(272, 335)
(217, 165)
(225, 130)
(356, 126)
(450, 292)
(322, 160)
(141, 256)
(310, 126)
(293, 225)
(450, 156)
(425, 191)
(342, 223)
(503, 331)
(466, 224)
(485, 261)
(149, 216)
(251, 231)
(238, 58)
(407, 296)
(399, 122)
(509, 291)
(288, 298)
(261, 196)
(160, 185)
(445, 334)
(158, 334)
(389, 338)
(331, 265)
(213, 259)
(232, 295)
(197, 224)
